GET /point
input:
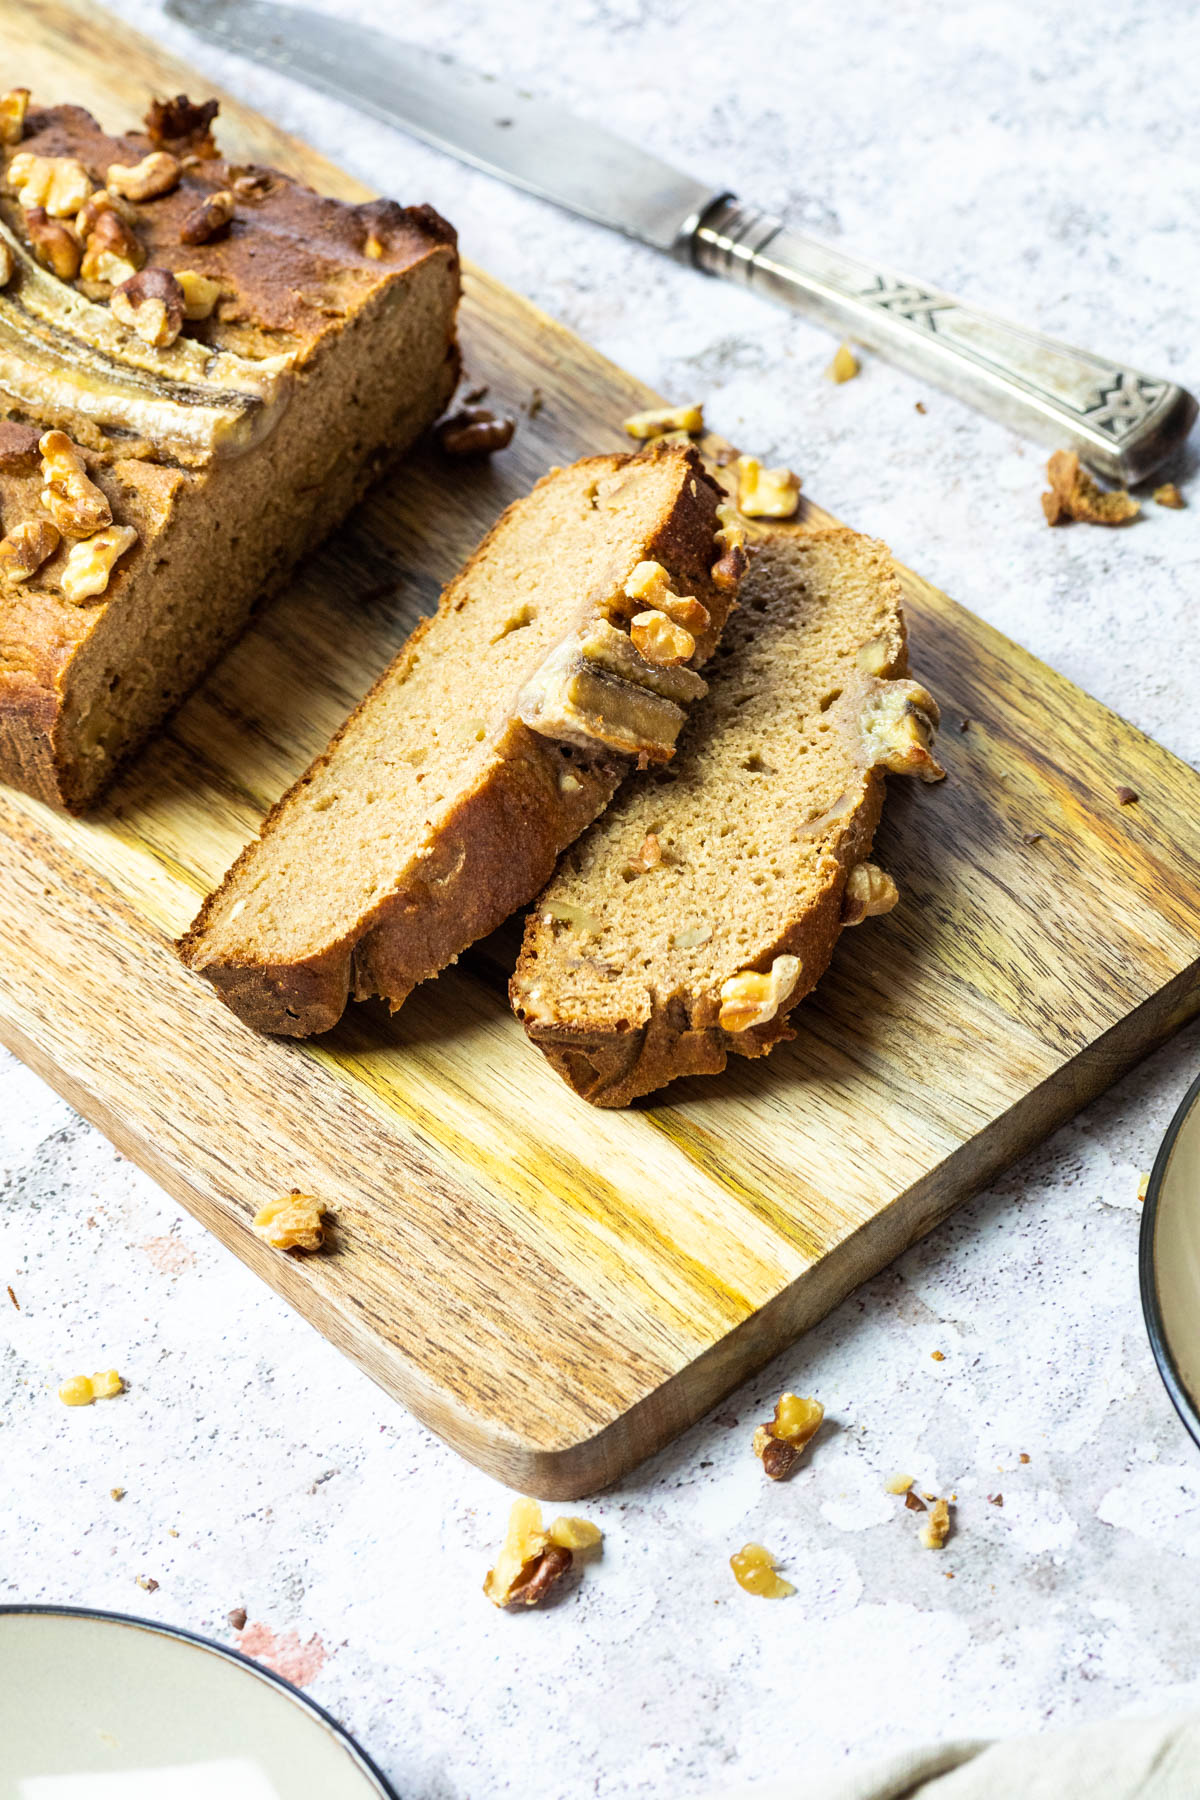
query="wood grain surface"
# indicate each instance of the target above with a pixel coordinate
(556, 1290)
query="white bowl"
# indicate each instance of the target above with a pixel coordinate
(1169, 1260)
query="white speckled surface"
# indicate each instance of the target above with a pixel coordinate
(1005, 152)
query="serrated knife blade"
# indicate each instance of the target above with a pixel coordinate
(1123, 422)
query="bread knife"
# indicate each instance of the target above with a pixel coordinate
(1122, 422)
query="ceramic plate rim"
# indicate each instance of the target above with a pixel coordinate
(1186, 1404)
(365, 1763)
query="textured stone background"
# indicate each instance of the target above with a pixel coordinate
(1010, 153)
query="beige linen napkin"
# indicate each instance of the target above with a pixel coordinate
(1123, 1759)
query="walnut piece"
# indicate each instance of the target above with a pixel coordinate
(292, 1222)
(81, 1390)
(731, 565)
(74, 502)
(650, 583)
(659, 640)
(898, 725)
(656, 423)
(200, 295)
(749, 999)
(1074, 494)
(26, 548)
(54, 244)
(182, 122)
(59, 183)
(13, 107)
(475, 432)
(1169, 495)
(90, 563)
(647, 856)
(935, 1528)
(150, 303)
(531, 1559)
(154, 176)
(868, 892)
(766, 493)
(845, 365)
(112, 251)
(206, 220)
(780, 1442)
(754, 1570)
(898, 1484)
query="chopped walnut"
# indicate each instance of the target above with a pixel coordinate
(647, 856)
(754, 1569)
(766, 493)
(74, 502)
(200, 295)
(845, 365)
(1127, 796)
(26, 548)
(54, 244)
(898, 725)
(660, 640)
(13, 107)
(180, 121)
(750, 999)
(81, 1390)
(90, 563)
(562, 912)
(292, 1222)
(112, 251)
(656, 423)
(780, 1442)
(151, 304)
(936, 1527)
(1169, 495)
(532, 1560)
(61, 184)
(868, 892)
(731, 565)
(898, 1484)
(206, 220)
(475, 432)
(1074, 494)
(650, 583)
(156, 174)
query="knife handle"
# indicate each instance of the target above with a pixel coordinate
(1122, 422)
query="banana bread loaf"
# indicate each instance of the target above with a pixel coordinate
(222, 359)
(565, 648)
(708, 900)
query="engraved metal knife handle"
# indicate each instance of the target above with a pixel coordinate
(1122, 422)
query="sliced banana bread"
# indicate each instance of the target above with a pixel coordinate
(497, 735)
(709, 898)
(221, 359)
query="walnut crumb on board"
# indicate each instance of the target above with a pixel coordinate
(1127, 796)
(1169, 495)
(660, 420)
(292, 1222)
(1074, 494)
(475, 431)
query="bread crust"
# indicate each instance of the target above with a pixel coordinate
(496, 846)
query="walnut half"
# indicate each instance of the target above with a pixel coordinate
(74, 502)
(749, 999)
(26, 548)
(90, 563)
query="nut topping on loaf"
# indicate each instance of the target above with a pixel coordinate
(426, 823)
(153, 359)
(636, 970)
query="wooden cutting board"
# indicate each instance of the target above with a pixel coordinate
(558, 1291)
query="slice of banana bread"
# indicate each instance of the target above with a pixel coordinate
(709, 898)
(497, 735)
(225, 359)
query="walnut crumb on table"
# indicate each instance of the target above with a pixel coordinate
(754, 1570)
(845, 365)
(936, 1528)
(779, 1442)
(532, 1559)
(1169, 495)
(662, 419)
(81, 1390)
(1074, 494)
(898, 1484)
